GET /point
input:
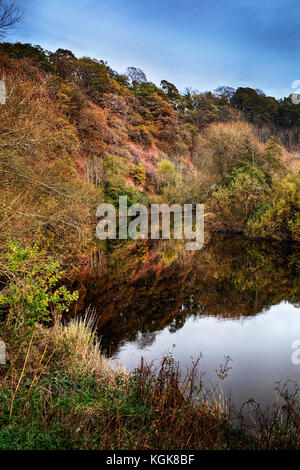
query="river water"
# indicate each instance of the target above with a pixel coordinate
(235, 297)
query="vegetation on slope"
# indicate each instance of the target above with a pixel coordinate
(75, 133)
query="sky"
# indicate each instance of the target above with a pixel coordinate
(192, 43)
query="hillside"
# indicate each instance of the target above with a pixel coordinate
(75, 133)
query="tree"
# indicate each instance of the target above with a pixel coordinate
(170, 90)
(139, 174)
(64, 62)
(136, 76)
(278, 214)
(225, 92)
(235, 198)
(288, 113)
(20, 51)
(202, 108)
(257, 107)
(166, 174)
(9, 15)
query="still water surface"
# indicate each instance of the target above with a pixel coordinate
(235, 297)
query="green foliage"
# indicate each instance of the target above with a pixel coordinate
(278, 215)
(256, 105)
(113, 165)
(117, 186)
(34, 53)
(272, 153)
(165, 168)
(171, 91)
(139, 174)
(234, 200)
(289, 113)
(94, 78)
(168, 181)
(246, 171)
(172, 421)
(166, 175)
(147, 89)
(31, 292)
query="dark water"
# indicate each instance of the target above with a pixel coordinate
(235, 297)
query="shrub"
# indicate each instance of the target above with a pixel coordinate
(141, 134)
(117, 186)
(166, 174)
(37, 167)
(139, 174)
(113, 165)
(278, 215)
(31, 292)
(234, 200)
(225, 145)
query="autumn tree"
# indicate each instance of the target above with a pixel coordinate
(63, 60)
(36, 54)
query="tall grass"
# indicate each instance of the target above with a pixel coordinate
(58, 391)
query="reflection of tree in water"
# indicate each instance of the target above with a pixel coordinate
(177, 322)
(229, 278)
(145, 339)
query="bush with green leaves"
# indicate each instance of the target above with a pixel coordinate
(113, 165)
(166, 175)
(236, 197)
(115, 187)
(138, 173)
(32, 293)
(278, 214)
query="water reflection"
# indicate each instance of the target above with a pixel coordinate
(140, 287)
(217, 301)
(260, 349)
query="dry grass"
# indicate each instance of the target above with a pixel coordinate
(64, 394)
(79, 350)
(222, 144)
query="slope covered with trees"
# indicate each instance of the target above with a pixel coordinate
(74, 133)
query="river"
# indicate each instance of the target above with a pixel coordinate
(235, 297)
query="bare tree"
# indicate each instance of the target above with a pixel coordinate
(136, 76)
(225, 92)
(10, 14)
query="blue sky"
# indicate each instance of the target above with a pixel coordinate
(196, 43)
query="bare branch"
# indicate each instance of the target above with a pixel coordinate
(10, 14)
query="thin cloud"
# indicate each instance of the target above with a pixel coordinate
(199, 44)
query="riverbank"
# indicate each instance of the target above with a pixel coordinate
(58, 391)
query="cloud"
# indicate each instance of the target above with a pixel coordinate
(192, 43)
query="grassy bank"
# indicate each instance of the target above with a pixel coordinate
(58, 392)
